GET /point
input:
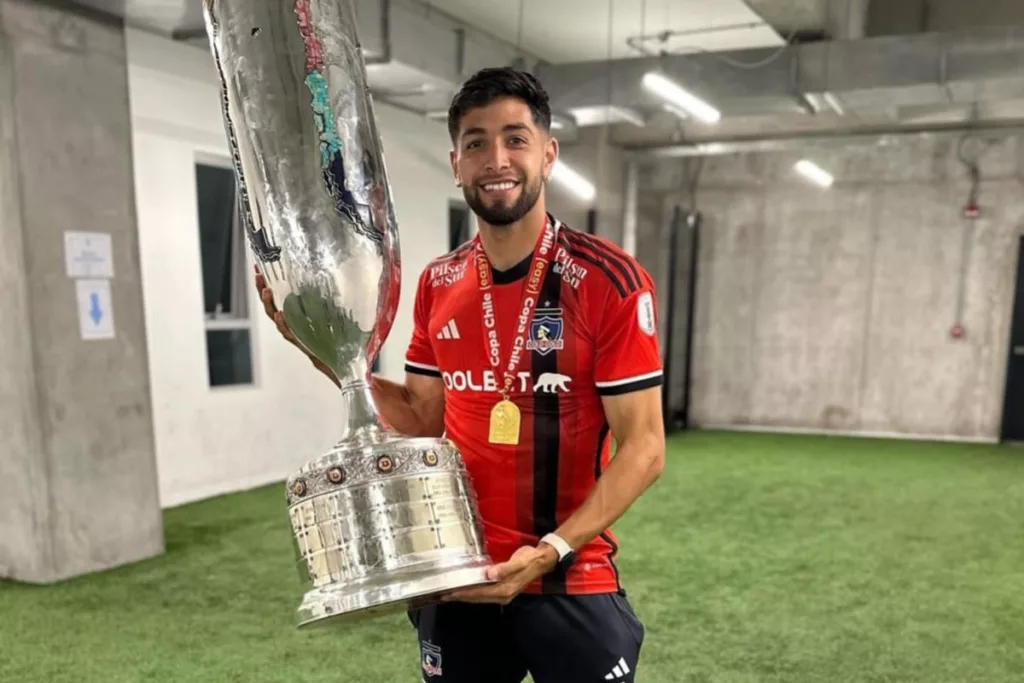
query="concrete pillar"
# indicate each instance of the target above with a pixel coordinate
(848, 19)
(78, 480)
(629, 211)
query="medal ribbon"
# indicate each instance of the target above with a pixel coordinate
(535, 278)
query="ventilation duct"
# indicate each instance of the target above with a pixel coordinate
(417, 57)
(867, 77)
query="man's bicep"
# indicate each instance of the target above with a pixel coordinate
(424, 387)
(427, 393)
(635, 415)
(628, 357)
(420, 357)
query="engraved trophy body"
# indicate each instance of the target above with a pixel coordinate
(381, 521)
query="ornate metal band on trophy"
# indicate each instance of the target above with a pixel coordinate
(380, 521)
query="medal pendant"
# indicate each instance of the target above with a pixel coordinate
(505, 421)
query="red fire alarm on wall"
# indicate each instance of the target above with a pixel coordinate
(972, 211)
(958, 331)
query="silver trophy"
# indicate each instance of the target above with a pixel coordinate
(381, 522)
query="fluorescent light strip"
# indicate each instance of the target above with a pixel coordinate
(678, 112)
(673, 93)
(814, 173)
(573, 181)
(833, 102)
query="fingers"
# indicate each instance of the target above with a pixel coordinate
(282, 327)
(508, 579)
(267, 297)
(498, 593)
(500, 572)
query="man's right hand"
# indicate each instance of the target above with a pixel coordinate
(267, 297)
(415, 408)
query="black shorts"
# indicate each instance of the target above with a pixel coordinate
(556, 638)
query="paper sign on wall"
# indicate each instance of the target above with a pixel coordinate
(95, 312)
(88, 254)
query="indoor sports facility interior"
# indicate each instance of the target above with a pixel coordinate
(828, 195)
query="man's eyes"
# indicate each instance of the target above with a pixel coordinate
(515, 140)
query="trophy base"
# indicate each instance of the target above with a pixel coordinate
(382, 527)
(337, 606)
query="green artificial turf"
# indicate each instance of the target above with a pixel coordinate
(755, 558)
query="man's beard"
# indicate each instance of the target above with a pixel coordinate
(502, 215)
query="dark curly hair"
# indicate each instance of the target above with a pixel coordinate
(489, 84)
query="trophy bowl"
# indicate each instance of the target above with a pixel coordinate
(381, 522)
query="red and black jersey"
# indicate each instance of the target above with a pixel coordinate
(593, 333)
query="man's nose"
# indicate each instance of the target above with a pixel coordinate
(498, 159)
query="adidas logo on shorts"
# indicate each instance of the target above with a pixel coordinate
(618, 671)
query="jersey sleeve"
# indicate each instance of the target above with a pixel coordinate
(419, 357)
(628, 354)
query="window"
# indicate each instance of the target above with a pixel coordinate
(222, 247)
(458, 224)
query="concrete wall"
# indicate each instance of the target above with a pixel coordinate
(77, 470)
(831, 310)
(210, 441)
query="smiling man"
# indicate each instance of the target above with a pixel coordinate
(534, 345)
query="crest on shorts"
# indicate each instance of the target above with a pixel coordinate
(546, 331)
(431, 658)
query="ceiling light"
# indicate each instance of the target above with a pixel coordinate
(834, 102)
(573, 181)
(678, 112)
(814, 173)
(606, 114)
(675, 94)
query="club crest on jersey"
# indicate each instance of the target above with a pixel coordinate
(546, 331)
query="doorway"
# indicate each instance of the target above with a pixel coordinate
(1013, 403)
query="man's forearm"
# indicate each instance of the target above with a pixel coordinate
(637, 464)
(399, 408)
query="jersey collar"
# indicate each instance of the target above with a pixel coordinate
(520, 270)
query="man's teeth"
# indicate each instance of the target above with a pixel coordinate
(499, 186)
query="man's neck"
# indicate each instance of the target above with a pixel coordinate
(508, 245)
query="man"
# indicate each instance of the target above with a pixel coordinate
(533, 343)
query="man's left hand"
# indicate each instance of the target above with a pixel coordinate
(526, 565)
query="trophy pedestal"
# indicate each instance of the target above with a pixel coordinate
(396, 593)
(381, 521)
(384, 527)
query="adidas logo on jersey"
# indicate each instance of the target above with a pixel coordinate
(449, 331)
(619, 671)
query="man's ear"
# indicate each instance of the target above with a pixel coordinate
(453, 160)
(550, 157)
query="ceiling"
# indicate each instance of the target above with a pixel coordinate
(773, 67)
(798, 15)
(578, 30)
(161, 16)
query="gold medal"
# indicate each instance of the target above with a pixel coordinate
(506, 420)
(505, 423)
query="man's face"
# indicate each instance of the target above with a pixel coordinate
(501, 160)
